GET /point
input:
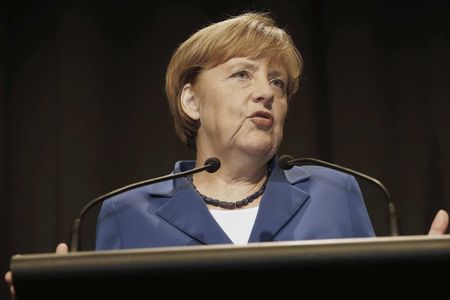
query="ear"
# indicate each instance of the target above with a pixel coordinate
(189, 102)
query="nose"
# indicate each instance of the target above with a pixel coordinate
(263, 92)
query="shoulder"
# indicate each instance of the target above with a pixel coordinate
(156, 190)
(139, 193)
(315, 174)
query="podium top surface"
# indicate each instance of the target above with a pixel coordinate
(312, 251)
(325, 261)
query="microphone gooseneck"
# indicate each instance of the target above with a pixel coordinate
(211, 165)
(286, 162)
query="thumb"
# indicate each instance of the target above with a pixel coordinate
(440, 223)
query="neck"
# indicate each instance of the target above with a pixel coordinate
(234, 169)
(236, 178)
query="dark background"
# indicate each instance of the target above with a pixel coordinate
(83, 111)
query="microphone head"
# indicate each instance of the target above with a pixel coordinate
(214, 164)
(284, 162)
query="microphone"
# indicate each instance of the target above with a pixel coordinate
(286, 162)
(211, 165)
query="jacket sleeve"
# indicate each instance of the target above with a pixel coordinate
(108, 231)
(361, 224)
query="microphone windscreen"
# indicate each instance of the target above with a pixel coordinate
(283, 162)
(214, 164)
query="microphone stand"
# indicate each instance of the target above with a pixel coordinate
(286, 162)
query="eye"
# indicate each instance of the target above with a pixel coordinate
(243, 74)
(279, 83)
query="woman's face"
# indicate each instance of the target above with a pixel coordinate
(242, 105)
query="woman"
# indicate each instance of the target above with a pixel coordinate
(228, 88)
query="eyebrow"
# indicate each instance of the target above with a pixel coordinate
(243, 64)
(278, 73)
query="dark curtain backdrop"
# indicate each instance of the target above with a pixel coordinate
(83, 111)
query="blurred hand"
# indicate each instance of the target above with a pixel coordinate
(9, 281)
(440, 223)
(60, 249)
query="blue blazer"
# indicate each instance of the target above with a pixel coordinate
(299, 204)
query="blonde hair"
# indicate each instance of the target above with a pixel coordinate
(253, 35)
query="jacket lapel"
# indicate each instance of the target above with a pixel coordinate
(187, 212)
(281, 200)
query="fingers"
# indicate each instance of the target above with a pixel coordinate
(8, 277)
(62, 248)
(9, 281)
(440, 223)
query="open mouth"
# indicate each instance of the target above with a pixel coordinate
(262, 118)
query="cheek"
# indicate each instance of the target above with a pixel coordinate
(231, 108)
(217, 102)
(222, 112)
(209, 106)
(281, 113)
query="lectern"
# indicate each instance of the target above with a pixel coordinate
(394, 262)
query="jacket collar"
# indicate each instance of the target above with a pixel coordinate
(168, 188)
(281, 200)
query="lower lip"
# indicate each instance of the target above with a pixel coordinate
(263, 122)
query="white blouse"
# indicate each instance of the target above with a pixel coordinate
(236, 223)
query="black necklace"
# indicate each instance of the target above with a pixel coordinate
(231, 205)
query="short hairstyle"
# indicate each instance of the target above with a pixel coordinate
(253, 35)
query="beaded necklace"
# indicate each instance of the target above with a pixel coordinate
(230, 204)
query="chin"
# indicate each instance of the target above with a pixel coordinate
(261, 149)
